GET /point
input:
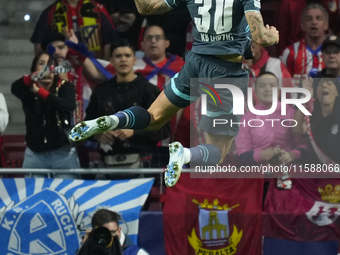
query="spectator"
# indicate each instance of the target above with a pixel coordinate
(48, 104)
(110, 220)
(126, 89)
(3, 125)
(289, 24)
(156, 66)
(81, 66)
(304, 58)
(126, 19)
(272, 142)
(90, 21)
(323, 126)
(158, 69)
(174, 24)
(262, 62)
(83, 74)
(331, 56)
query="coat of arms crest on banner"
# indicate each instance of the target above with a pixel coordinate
(216, 234)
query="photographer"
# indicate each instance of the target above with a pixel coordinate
(101, 242)
(48, 103)
(110, 220)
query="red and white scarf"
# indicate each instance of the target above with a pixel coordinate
(301, 67)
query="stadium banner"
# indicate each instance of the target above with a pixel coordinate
(213, 216)
(49, 216)
(308, 212)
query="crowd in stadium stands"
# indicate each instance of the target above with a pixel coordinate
(257, 145)
(293, 27)
(303, 58)
(77, 36)
(124, 90)
(96, 58)
(89, 20)
(262, 62)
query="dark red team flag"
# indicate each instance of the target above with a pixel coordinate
(308, 212)
(213, 217)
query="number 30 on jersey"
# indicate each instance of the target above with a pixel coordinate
(221, 16)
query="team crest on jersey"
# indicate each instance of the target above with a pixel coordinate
(215, 235)
(325, 213)
(39, 224)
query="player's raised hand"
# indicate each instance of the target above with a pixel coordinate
(274, 32)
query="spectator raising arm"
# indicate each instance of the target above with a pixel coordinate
(89, 68)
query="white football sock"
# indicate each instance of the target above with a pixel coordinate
(115, 121)
(187, 155)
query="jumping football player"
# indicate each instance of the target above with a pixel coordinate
(221, 38)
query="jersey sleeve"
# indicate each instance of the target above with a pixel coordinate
(174, 3)
(251, 5)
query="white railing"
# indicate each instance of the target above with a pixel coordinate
(51, 172)
(86, 171)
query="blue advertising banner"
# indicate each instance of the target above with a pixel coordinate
(48, 216)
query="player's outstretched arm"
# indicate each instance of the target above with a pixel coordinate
(152, 7)
(263, 35)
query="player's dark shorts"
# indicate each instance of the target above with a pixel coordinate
(198, 75)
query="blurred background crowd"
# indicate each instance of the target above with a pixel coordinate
(108, 57)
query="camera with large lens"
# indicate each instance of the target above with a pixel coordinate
(101, 242)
